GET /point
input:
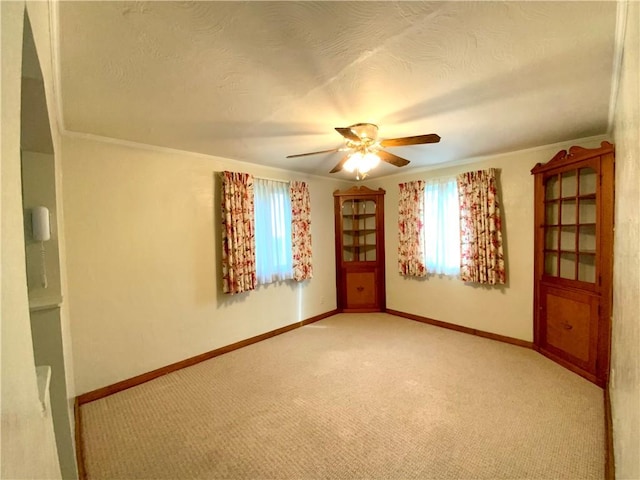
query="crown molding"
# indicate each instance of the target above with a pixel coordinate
(204, 156)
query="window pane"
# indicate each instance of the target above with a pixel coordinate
(552, 188)
(347, 244)
(569, 184)
(359, 230)
(568, 265)
(551, 238)
(587, 238)
(347, 253)
(568, 238)
(588, 181)
(587, 210)
(551, 264)
(442, 226)
(274, 257)
(348, 208)
(370, 242)
(551, 215)
(568, 211)
(587, 268)
(368, 207)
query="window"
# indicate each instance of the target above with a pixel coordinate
(274, 258)
(442, 226)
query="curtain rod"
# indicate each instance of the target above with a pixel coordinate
(455, 175)
(220, 174)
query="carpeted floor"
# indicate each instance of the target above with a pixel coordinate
(354, 396)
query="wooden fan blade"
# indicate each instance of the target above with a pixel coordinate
(340, 164)
(347, 133)
(392, 159)
(417, 140)
(313, 153)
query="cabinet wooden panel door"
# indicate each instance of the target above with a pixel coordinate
(570, 325)
(360, 288)
(359, 234)
(573, 259)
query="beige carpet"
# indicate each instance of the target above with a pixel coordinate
(354, 396)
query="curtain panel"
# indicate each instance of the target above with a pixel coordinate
(481, 256)
(238, 241)
(410, 226)
(301, 230)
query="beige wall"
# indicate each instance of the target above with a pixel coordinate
(38, 188)
(27, 446)
(504, 310)
(38, 178)
(42, 16)
(143, 243)
(625, 369)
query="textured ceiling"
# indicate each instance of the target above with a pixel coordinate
(256, 81)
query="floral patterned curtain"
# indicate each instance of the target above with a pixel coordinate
(301, 230)
(410, 235)
(238, 241)
(481, 257)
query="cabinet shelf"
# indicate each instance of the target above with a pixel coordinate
(361, 231)
(586, 196)
(358, 215)
(570, 252)
(548, 225)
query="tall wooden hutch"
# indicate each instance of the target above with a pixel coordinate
(573, 259)
(359, 225)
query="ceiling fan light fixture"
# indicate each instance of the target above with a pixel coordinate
(369, 161)
(352, 163)
(362, 163)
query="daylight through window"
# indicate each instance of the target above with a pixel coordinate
(442, 226)
(274, 259)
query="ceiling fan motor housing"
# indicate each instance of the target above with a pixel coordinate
(365, 130)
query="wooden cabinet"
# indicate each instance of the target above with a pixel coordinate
(573, 259)
(359, 232)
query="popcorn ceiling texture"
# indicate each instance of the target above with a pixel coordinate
(257, 81)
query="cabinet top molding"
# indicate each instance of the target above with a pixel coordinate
(359, 190)
(575, 154)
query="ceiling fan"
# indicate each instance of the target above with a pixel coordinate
(365, 150)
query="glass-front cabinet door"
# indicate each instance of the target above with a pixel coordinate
(359, 230)
(573, 259)
(359, 236)
(570, 224)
